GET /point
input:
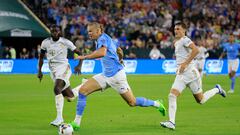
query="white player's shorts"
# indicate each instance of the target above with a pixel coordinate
(233, 65)
(190, 78)
(62, 72)
(117, 82)
(200, 64)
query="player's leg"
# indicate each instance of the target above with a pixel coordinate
(71, 94)
(142, 101)
(120, 84)
(91, 85)
(234, 69)
(68, 94)
(201, 67)
(232, 76)
(59, 101)
(177, 87)
(200, 97)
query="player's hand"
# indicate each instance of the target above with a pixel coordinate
(81, 57)
(182, 68)
(40, 76)
(77, 70)
(122, 62)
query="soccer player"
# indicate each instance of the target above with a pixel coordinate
(232, 50)
(201, 57)
(113, 74)
(187, 75)
(56, 48)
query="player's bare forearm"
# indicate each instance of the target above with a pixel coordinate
(40, 62)
(78, 68)
(120, 53)
(101, 52)
(193, 54)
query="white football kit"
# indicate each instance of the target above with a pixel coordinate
(190, 76)
(57, 58)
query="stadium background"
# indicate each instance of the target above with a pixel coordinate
(138, 26)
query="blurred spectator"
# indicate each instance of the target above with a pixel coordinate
(6, 53)
(24, 54)
(38, 51)
(12, 52)
(80, 42)
(143, 23)
(155, 53)
(1, 49)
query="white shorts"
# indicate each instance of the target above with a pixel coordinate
(200, 64)
(117, 82)
(190, 78)
(62, 72)
(233, 65)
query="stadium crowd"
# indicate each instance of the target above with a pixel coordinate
(142, 27)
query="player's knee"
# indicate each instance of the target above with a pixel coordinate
(57, 90)
(83, 90)
(70, 99)
(172, 96)
(131, 103)
(201, 101)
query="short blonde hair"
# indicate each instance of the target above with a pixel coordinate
(96, 25)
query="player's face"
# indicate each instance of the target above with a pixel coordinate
(55, 33)
(179, 31)
(93, 32)
(231, 38)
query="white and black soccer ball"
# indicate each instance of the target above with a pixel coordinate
(65, 129)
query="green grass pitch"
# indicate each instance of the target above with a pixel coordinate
(27, 106)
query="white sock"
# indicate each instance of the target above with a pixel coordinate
(156, 104)
(59, 100)
(172, 107)
(76, 90)
(78, 119)
(208, 94)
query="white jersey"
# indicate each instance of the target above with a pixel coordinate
(202, 53)
(57, 51)
(182, 50)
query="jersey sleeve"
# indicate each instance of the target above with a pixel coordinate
(70, 45)
(101, 42)
(187, 41)
(43, 45)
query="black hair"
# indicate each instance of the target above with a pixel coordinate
(184, 26)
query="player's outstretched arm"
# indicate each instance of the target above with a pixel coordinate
(101, 52)
(40, 63)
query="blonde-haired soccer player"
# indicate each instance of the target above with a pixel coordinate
(113, 74)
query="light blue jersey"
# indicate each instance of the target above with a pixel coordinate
(232, 50)
(110, 62)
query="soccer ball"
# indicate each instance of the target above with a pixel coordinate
(65, 129)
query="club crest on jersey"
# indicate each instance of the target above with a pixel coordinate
(61, 45)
